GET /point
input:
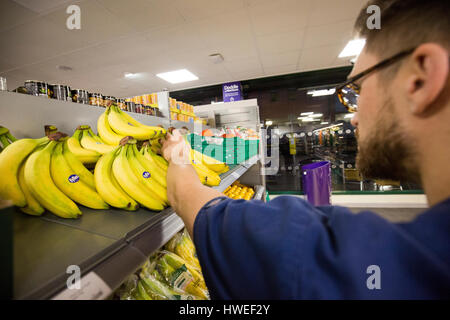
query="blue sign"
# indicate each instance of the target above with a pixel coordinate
(232, 91)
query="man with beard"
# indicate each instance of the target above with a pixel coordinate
(288, 249)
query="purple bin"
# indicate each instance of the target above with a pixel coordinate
(317, 183)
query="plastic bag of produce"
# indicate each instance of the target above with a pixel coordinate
(180, 275)
(155, 286)
(129, 289)
(182, 245)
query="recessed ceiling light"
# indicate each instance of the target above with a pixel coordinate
(323, 92)
(177, 76)
(306, 113)
(316, 115)
(353, 48)
(269, 123)
(324, 122)
(64, 68)
(130, 75)
(307, 119)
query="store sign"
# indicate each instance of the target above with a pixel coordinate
(232, 91)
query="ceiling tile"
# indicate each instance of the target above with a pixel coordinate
(318, 57)
(285, 69)
(43, 6)
(242, 65)
(144, 15)
(13, 14)
(279, 16)
(329, 34)
(331, 11)
(245, 75)
(280, 42)
(194, 10)
(279, 59)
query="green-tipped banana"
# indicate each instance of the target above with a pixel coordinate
(3, 130)
(5, 142)
(108, 187)
(84, 155)
(70, 183)
(11, 137)
(39, 181)
(11, 159)
(131, 184)
(33, 207)
(146, 175)
(77, 166)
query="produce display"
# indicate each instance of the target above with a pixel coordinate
(170, 274)
(6, 138)
(239, 191)
(52, 173)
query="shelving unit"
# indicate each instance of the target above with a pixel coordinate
(107, 245)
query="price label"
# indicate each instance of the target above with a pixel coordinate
(92, 287)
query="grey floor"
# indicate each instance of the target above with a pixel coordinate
(393, 214)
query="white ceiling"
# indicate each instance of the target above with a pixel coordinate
(257, 38)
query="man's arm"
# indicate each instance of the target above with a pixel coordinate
(185, 192)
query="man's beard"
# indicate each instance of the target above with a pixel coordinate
(387, 152)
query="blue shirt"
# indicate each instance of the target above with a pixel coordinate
(288, 249)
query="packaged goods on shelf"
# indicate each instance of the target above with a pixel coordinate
(239, 191)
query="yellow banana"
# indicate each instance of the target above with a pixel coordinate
(108, 187)
(90, 143)
(131, 184)
(145, 175)
(157, 173)
(10, 160)
(33, 207)
(160, 131)
(211, 163)
(105, 131)
(70, 183)
(39, 181)
(120, 123)
(206, 175)
(160, 161)
(77, 166)
(84, 155)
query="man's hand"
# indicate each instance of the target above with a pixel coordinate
(174, 148)
(185, 192)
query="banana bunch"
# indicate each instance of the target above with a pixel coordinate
(239, 191)
(6, 138)
(49, 129)
(114, 124)
(125, 178)
(43, 174)
(182, 245)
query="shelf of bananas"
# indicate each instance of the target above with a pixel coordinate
(6, 138)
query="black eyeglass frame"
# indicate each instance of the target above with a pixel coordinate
(351, 81)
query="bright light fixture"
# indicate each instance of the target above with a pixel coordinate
(325, 122)
(322, 92)
(177, 76)
(316, 115)
(349, 115)
(307, 119)
(306, 113)
(353, 48)
(269, 123)
(130, 75)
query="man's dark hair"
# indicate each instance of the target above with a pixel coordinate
(405, 24)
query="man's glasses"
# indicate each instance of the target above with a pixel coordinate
(348, 92)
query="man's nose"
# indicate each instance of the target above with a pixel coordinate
(354, 120)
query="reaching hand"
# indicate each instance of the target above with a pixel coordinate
(174, 148)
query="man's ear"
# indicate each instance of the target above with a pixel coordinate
(428, 69)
